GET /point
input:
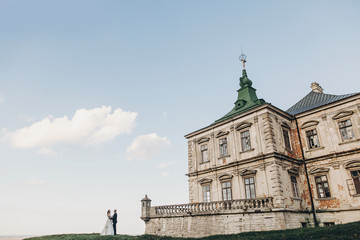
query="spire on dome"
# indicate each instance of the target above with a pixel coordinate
(247, 98)
(244, 80)
(242, 58)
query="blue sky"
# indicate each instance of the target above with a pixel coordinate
(138, 76)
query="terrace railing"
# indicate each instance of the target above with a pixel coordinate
(237, 205)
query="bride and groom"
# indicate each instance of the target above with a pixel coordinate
(110, 225)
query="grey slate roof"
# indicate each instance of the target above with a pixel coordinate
(314, 100)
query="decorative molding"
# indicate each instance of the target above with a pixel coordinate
(256, 119)
(343, 114)
(335, 166)
(222, 133)
(285, 125)
(319, 170)
(262, 167)
(276, 119)
(353, 164)
(232, 128)
(203, 139)
(324, 117)
(269, 132)
(243, 125)
(205, 181)
(309, 124)
(294, 170)
(247, 172)
(225, 177)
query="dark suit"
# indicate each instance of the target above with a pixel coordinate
(114, 218)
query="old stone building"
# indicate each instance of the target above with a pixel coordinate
(263, 168)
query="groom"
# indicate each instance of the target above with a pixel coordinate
(114, 218)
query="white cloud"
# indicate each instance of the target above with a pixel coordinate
(165, 165)
(47, 152)
(91, 126)
(1, 99)
(146, 146)
(165, 174)
(34, 181)
(164, 114)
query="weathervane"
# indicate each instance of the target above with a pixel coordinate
(242, 58)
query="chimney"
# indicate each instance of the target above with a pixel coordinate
(316, 87)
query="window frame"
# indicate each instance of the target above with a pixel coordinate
(356, 184)
(202, 150)
(206, 193)
(295, 190)
(322, 184)
(228, 190)
(307, 138)
(250, 184)
(284, 129)
(246, 137)
(340, 128)
(222, 153)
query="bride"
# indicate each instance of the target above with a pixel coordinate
(108, 229)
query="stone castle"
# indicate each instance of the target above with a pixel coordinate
(262, 168)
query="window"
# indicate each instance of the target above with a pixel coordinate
(294, 186)
(326, 224)
(226, 190)
(346, 130)
(322, 186)
(286, 139)
(304, 225)
(313, 139)
(356, 178)
(245, 141)
(204, 153)
(206, 193)
(223, 147)
(250, 187)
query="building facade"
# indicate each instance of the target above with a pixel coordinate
(262, 168)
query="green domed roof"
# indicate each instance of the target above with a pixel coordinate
(246, 100)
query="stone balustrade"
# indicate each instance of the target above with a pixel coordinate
(238, 205)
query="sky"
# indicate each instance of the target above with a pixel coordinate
(96, 96)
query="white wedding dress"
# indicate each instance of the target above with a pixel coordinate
(108, 229)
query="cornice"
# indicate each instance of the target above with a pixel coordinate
(241, 115)
(246, 161)
(333, 155)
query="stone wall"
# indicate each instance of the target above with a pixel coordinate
(206, 225)
(338, 217)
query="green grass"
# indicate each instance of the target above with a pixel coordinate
(338, 232)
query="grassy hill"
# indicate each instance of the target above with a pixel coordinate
(338, 232)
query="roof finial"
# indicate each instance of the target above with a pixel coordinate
(242, 58)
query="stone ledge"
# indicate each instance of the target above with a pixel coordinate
(350, 141)
(314, 149)
(227, 156)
